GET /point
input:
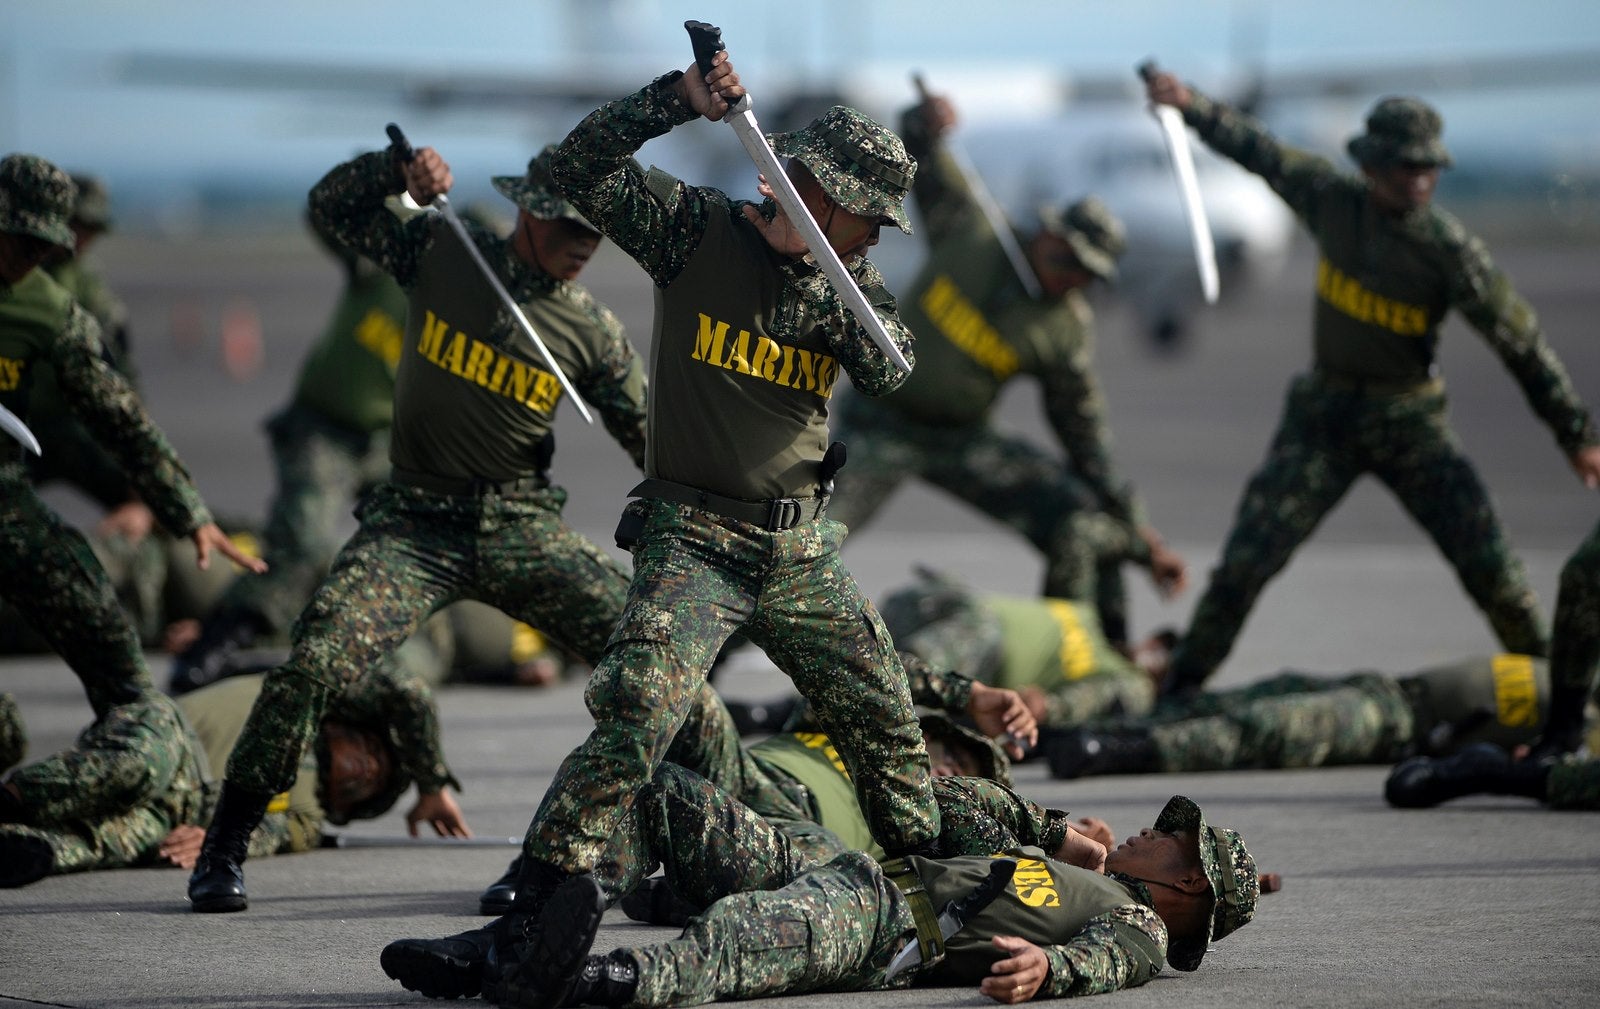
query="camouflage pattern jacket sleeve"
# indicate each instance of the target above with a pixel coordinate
(1114, 950)
(943, 689)
(108, 406)
(980, 817)
(1299, 177)
(1492, 306)
(399, 705)
(347, 211)
(659, 221)
(617, 385)
(1076, 409)
(944, 201)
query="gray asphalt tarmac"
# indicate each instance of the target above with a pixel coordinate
(1483, 902)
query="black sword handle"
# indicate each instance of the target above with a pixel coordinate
(1148, 70)
(920, 84)
(1000, 873)
(707, 42)
(399, 144)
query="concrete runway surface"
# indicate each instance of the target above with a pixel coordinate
(1482, 902)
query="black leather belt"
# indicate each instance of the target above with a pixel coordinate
(775, 515)
(469, 486)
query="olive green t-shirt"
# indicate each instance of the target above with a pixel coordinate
(810, 759)
(750, 384)
(218, 713)
(467, 405)
(1051, 640)
(348, 377)
(1514, 690)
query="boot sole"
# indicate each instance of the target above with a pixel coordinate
(431, 974)
(220, 905)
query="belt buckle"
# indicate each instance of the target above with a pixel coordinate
(784, 513)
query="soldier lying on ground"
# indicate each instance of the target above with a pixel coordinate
(781, 922)
(137, 787)
(1299, 720)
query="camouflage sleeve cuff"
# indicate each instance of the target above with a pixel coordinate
(673, 110)
(1203, 111)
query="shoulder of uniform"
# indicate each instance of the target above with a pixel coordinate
(664, 186)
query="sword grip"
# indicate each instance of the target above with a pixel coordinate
(399, 144)
(1148, 69)
(707, 42)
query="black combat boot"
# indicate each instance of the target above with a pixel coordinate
(656, 903)
(1563, 730)
(606, 980)
(24, 859)
(214, 654)
(1082, 752)
(217, 883)
(457, 965)
(1422, 782)
(499, 895)
(550, 963)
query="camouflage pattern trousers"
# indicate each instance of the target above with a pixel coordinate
(778, 921)
(1291, 720)
(1574, 783)
(698, 577)
(1007, 478)
(708, 743)
(49, 574)
(1326, 439)
(1575, 642)
(417, 551)
(108, 802)
(321, 469)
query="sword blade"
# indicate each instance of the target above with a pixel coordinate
(1176, 135)
(755, 144)
(450, 218)
(13, 425)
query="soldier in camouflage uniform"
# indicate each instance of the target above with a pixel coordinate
(784, 924)
(46, 568)
(1302, 720)
(136, 789)
(1391, 268)
(330, 442)
(978, 328)
(730, 530)
(469, 510)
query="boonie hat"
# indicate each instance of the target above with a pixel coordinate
(1096, 236)
(1235, 887)
(859, 163)
(994, 763)
(536, 192)
(1401, 130)
(36, 199)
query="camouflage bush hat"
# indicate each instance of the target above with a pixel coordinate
(537, 194)
(1230, 868)
(92, 209)
(993, 763)
(36, 199)
(859, 163)
(1401, 130)
(1096, 236)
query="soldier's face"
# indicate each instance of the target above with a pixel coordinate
(851, 234)
(1154, 854)
(950, 761)
(559, 247)
(1402, 187)
(1056, 265)
(21, 253)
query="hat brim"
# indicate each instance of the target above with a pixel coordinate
(538, 201)
(1369, 150)
(1183, 813)
(1093, 258)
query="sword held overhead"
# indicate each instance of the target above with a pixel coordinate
(441, 202)
(1176, 135)
(707, 42)
(13, 425)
